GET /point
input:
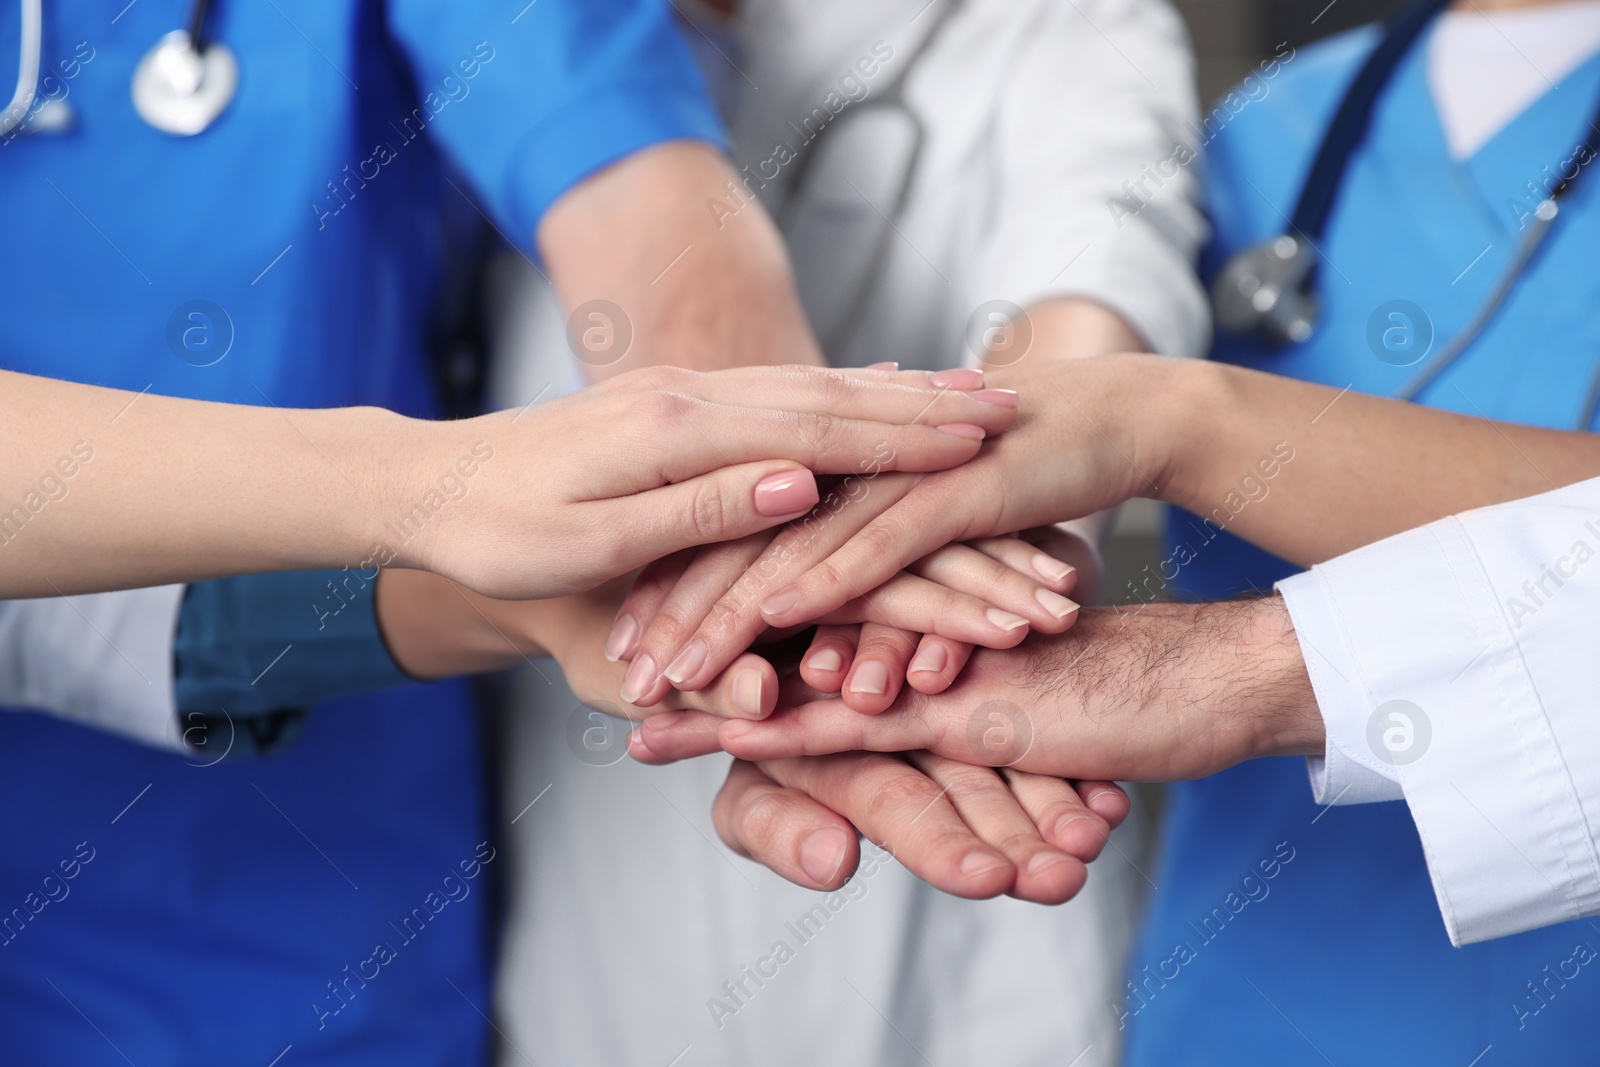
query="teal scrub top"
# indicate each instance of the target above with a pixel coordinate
(1284, 933)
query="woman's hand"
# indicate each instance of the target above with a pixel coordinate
(1055, 464)
(562, 497)
(987, 593)
(867, 665)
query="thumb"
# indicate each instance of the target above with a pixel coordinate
(719, 506)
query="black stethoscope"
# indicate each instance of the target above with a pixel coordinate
(1268, 291)
(180, 86)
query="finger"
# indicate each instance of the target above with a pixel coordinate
(895, 397)
(824, 727)
(903, 533)
(672, 437)
(784, 829)
(649, 589)
(727, 504)
(1058, 810)
(879, 670)
(913, 603)
(1056, 574)
(692, 731)
(937, 663)
(981, 798)
(903, 811)
(833, 649)
(966, 570)
(1107, 800)
(736, 620)
(662, 649)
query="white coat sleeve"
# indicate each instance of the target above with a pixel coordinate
(1094, 149)
(103, 660)
(1455, 665)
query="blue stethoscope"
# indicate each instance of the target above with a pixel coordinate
(180, 86)
(1268, 290)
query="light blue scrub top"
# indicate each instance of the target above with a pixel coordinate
(1287, 934)
(335, 898)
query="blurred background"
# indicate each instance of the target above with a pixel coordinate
(1230, 38)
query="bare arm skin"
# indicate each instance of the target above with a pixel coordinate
(699, 292)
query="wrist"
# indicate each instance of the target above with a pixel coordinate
(1287, 718)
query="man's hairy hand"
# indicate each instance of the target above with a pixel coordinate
(1161, 693)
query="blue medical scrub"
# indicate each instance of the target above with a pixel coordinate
(1288, 934)
(329, 904)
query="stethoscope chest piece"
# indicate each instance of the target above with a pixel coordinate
(1265, 291)
(180, 89)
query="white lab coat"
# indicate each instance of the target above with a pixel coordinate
(1455, 668)
(626, 915)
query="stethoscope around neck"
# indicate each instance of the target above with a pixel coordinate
(180, 87)
(1268, 290)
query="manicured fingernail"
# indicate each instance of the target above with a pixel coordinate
(822, 854)
(1054, 603)
(964, 429)
(885, 365)
(624, 635)
(930, 658)
(786, 493)
(980, 863)
(957, 378)
(747, 692)
(1006, 398)
(1004, 619)
(687, 662)
(870, 678)
(1043, 861)
(1050, 568)
(781, 601)
(641, 676)
(827, 660)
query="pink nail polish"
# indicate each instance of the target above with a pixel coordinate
(1050, 568)
(964, 429)
(687, 662)
(781, 601)
(1006, 398)
(641, 676)
(786, 493)
(623, 637)
(1054, 603)
(885, 365)
(958, 378)
(1004, 619)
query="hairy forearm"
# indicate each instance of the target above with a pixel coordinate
(1186, 689)
(700, 281)
(105, 489)
(1309, 472)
